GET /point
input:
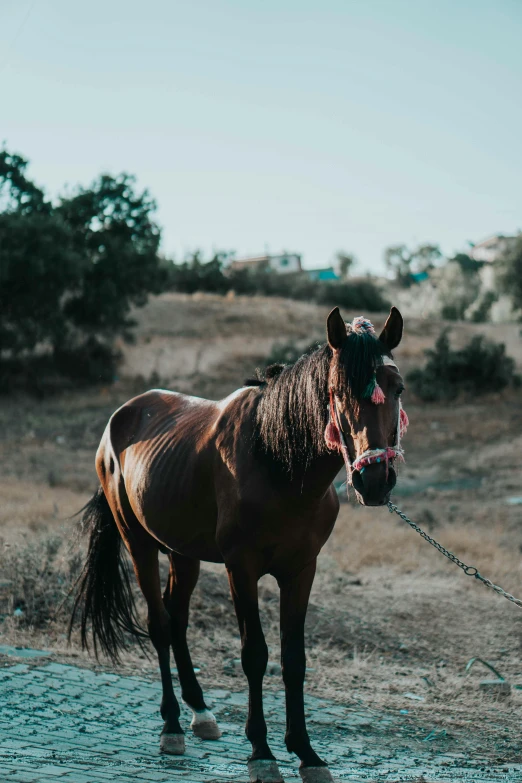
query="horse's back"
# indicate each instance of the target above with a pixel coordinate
(159, 449)
(158, 413)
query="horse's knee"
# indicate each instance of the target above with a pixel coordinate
(160, 630)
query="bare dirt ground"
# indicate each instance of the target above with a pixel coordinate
(392, 624)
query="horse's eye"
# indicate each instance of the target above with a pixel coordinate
(399, 391)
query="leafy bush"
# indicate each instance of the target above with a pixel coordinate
(510, 272)
(480, 367)
(197, 275)
(458, 291)
(359, 295)
(90, 361)
(480, 310)
(212, 276)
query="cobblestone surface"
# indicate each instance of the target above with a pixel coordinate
(68, 724)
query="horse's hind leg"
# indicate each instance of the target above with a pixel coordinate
(184, 573)
(145, 560)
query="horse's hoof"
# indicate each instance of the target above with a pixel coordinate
(316, 775)
(174, 744)
(264, 771)
(204, 725)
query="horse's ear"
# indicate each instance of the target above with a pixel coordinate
(335, 329)
(391, 335)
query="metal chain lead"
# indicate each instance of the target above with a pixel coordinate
(468, 570)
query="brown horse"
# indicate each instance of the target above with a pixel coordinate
(247, 482)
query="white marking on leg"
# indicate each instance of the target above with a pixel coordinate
(204, 725)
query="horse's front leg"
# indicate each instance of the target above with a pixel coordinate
(294, 602)
(243, 579)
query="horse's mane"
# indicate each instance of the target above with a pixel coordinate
(293, 410)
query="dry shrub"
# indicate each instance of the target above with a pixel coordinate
(37, 577)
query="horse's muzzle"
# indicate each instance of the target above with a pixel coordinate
(374, 483)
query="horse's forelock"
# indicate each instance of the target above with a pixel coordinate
(362, 353)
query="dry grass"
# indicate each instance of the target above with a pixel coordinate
(26, 509)
(37, 579)
(373, 539)
(387, 610)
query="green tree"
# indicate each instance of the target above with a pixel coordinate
(113, 232)
(467, 264)
(346, 262)
(403, 263)
(37, 266)
(70, 272)
(17, 193)
(426, 257)
(398, 260)
(510, 272)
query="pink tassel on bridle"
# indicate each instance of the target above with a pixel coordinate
(377, 395)
(403, 422)
(332, 435)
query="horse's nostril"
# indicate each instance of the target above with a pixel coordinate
(357, 481)
(374, 485)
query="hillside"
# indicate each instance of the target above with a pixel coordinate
(388, 613)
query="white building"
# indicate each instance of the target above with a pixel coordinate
(282, 263)
(491, 249)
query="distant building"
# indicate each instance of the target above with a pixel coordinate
(491, 249)
(283, 263)
(420, 277)
(323, 273)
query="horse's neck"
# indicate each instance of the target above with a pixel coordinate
(310, 479)
(320, 473)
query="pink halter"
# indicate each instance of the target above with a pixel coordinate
(334, 435)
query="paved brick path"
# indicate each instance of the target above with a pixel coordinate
(72, 725)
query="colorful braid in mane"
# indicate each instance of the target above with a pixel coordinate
(373, 391)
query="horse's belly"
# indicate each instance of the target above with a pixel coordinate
(178, 508)
(200, 547)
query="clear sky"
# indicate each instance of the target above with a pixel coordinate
(307, 125)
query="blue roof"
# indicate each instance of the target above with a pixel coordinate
(326, 273)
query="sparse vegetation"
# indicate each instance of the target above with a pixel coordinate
(37, 577)
(510, 274)
(480, 367)
(386, 609)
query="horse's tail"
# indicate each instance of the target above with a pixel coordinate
(104, 593)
